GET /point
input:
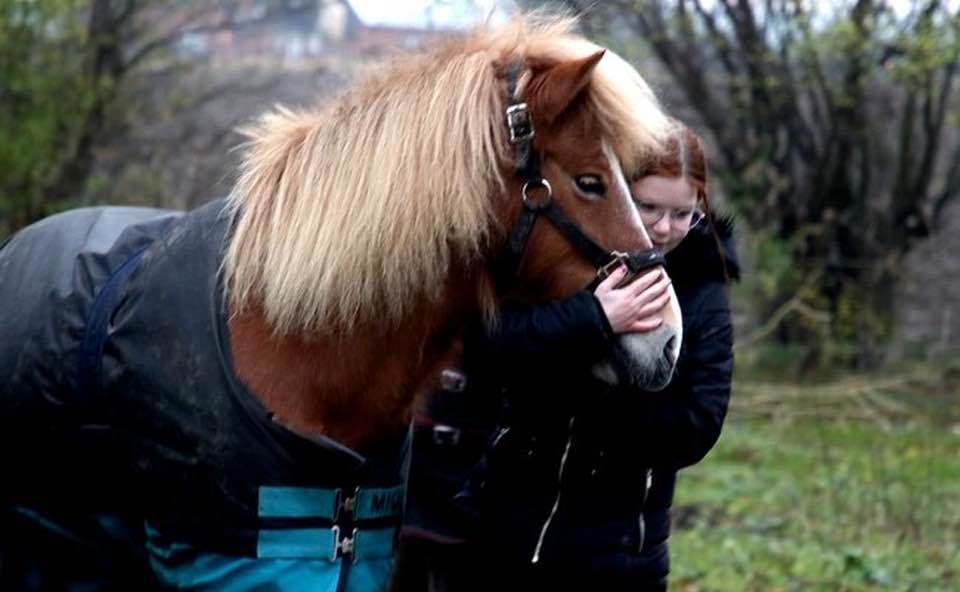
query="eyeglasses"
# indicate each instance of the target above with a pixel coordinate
(651, 214)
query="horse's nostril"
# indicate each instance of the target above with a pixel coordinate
(668, 348)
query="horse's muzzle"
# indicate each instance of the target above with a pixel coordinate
(645, 361)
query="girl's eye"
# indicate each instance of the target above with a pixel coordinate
(682, 214)
(647, 208)
(590, 185)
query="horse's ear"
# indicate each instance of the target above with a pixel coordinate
(555, 88)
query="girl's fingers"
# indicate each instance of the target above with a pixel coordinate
(611, 281)
(645, 281)
(653, 306)
(644, 325)
(653, 292)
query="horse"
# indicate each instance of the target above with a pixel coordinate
(233, 386)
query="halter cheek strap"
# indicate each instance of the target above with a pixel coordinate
(527, 166)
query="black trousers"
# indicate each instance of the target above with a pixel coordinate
(426, 566)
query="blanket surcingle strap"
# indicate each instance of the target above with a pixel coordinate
(310, 538)
(302, 507)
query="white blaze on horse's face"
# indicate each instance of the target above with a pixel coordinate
(647, 360)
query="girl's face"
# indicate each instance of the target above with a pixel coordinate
(667, 206)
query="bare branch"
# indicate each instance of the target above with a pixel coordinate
(721, 44)
(755, 52)
(935, 105)
(951, 189)
(905, 163)
(815, 65)
(795, 305)
(686, 67)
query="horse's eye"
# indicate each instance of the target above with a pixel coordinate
(590, 185)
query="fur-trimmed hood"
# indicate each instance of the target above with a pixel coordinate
(708, 253)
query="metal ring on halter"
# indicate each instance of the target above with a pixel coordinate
(534, 184)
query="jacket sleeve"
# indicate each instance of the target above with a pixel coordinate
(535, 337)
(679, 425)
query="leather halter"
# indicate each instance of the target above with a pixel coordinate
(527, 166)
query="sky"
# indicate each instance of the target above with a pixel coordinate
(464, 13)
(445, 14)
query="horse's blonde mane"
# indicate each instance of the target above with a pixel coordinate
(353, 212)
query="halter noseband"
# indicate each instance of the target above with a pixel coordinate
(527, 165)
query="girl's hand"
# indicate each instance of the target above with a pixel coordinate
(634, 308)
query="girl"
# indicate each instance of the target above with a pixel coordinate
(576, 479)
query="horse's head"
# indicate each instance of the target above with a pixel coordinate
(581, 122)
(373, 217)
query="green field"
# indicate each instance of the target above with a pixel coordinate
(853, 485)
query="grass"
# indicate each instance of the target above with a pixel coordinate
(847, 486)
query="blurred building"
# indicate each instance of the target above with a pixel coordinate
(303, 29)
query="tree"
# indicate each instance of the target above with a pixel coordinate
(63, 63)
(837, 131)
(42, 98)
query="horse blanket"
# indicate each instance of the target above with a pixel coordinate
(119, 400)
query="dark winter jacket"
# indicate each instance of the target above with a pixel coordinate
(619, 450)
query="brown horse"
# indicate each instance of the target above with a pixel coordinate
(236, 381)
(365, 232)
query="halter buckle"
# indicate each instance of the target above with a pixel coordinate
(619, 258)
(520, 123)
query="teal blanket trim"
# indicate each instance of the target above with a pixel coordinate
(314, 543)
(298, 502)
(183, 567)
(314, 502)
(298, 543)
(299, 556)
(373, 544)
(386, 502)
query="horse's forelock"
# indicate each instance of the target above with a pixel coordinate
(354, 212)
(627, 109)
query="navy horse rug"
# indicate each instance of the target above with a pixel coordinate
(131, 448)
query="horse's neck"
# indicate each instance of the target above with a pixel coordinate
(357, 389)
